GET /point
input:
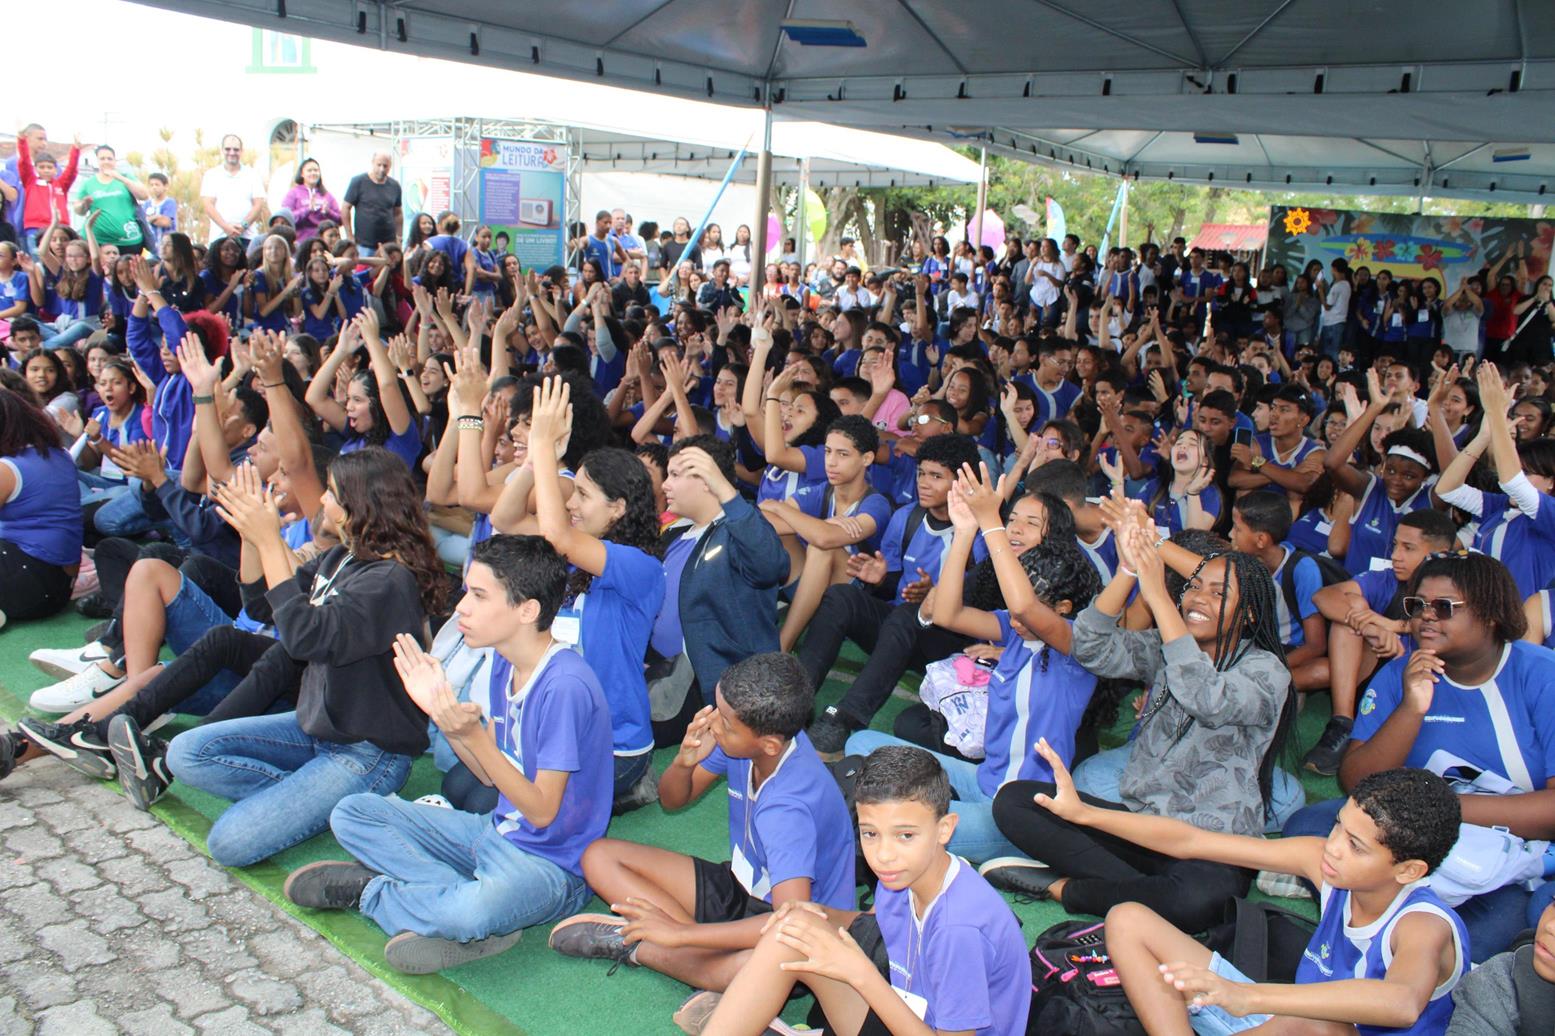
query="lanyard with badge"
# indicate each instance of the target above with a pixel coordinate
(319, 593)
(740, 865)
(567, 627)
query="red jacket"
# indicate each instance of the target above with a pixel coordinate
(37, 214)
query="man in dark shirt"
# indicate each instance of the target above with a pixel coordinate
(374, 199)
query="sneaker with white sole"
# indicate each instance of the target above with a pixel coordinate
(61, 663)
(1273, 883)
(70, 694)
(1019, 875)
(76, 743)
(434, 800)
(592, 936)
(693, 1015)
(142, 762)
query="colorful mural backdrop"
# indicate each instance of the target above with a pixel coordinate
(1446, 248)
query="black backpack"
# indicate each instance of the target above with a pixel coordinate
(1331, 571)
(1074, 988)
(1262, 941)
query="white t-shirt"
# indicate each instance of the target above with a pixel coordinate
(1336, 307)
(234, 194)
(1043, 291)
(1460, 330)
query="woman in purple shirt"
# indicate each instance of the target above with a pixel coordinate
(309, 202)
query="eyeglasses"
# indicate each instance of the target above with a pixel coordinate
(926, 418)
(1440, 608)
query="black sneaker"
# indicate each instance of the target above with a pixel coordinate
(78, 744)
(92, 606)
(645, 791)
(593, 937)
(328, 884)
(1019, 875)
(829, 733)
(141, 760)
(1325, 756)
(414, 954)
(10, 748)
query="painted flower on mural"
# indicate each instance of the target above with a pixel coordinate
(1361, 224)
(1476, 226)
(1359, 251)
(1297, 221)
(1405, 252)
(1451, 226)
(1383, 250)
(1429, 258)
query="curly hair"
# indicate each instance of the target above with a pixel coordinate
(385, 519)
(982, 583)
(1487, 587)
(1416, 813)
(621, 476)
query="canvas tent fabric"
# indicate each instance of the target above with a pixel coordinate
(1393, 96)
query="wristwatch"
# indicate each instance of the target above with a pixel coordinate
(1258, 462)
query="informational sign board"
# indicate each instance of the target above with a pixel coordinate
(523, 187)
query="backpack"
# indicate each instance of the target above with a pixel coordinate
(1262, 941)
(1074, 989)
(845, 772)
(1331, 571)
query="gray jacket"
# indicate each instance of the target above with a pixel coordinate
(1203, 733)
(1503, 997)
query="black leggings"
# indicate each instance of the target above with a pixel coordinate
(1105, 870)
(34, 589)
(115, 556)
(218, 582)
(269, 675)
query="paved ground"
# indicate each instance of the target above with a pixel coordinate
(111, 923)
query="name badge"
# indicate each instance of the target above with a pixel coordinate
(567, 627)
(919, 1005)
(1423, 316)
(1381, 564)
(745, 874)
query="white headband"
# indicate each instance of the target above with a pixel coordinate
(1401, 450)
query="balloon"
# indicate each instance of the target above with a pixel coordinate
(993, 230)
(774, 234)
(815, 215)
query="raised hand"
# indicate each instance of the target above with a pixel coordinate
(961, 515)
(200, 372)
(466, 384)
(1065, 802)
(550, 420)
(698, 742)
(248, 505)
(982, 495)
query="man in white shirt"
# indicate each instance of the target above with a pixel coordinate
(852, 294)
(232, 194)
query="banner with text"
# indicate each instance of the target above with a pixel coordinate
(523, 186)
(1444, 248)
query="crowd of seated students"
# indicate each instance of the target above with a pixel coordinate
(541, 530)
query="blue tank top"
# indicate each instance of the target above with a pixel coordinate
(43, 515)
(1338, 951)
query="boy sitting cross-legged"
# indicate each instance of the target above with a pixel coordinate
(790, 836)
(459, 886)
(1387, 951)
(958, 962)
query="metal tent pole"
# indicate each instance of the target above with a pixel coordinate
(982, 199)
(763, 193)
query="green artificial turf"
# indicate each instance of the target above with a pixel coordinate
(528, 989)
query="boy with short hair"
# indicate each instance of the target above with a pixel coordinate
(1260, 524)
(958, 962)
(161, 212)
(456, 886)
(1366, 613)
(1512, 992)
(1387, 951)
(790, 837)
(878, 610)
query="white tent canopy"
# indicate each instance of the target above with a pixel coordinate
(1402, 96)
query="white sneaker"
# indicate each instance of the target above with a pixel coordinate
(434, 800)
(63, 662)
(69, 695)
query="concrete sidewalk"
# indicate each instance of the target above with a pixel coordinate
(110, 923)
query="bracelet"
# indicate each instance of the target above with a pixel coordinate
(1126, 571)
(204, 399)
(273, 384)
(774, 399)
(473, 424)
(997, 528)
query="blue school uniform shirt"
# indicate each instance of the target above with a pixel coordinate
(1526, 546)
(214, 286)
(1308, 580)
(1198, 285)
(487, 261)
(1310, 531)
(1374, 522)
(84, 308)
(811, 499)
(1378, 587)
(1171, 513)
(912, 363)
(43, 515)
(557, 721)
(1339, 950)
(964, 967)
(896, 477)
(607, 374)
(1304, 449)
(319, 327)
(352, 294)
(925, 550)
(668, 639)
(172, 404)
(1034, 692)
(1054, 405)
(405, 445)
(796, 825)
(601, 250)
(131, 430)
(14, 288)
(1103, 554)
(277, 319)
(1497, 738)
(779, 484)
(617, 615)
(846, 363)
(454, 248)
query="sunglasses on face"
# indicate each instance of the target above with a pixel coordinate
(1440, 608)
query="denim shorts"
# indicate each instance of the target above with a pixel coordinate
(190, 615)
(1217, 1021)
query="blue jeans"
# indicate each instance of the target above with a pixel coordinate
(124, 515)
(283, 783)
(190, 615)
(1493, 919)
(449, 874)
(95, 489)
(1099, 776)
(452, 547)
(1330, 340)
(65, 331)
(977, 837)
